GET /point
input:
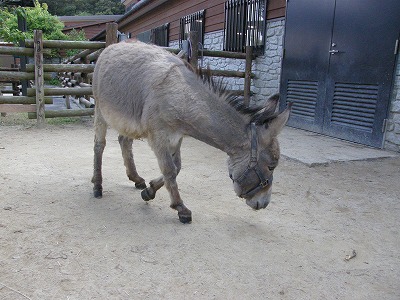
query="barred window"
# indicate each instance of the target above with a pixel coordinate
(193, 22)
(158, 36)
(245, 22)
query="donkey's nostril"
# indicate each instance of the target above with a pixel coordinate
(257, 207)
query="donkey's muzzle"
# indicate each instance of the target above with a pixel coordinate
(257, 204)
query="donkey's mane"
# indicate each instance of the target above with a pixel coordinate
(257, 113)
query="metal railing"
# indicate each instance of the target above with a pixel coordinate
(245, 24)
(192, 22)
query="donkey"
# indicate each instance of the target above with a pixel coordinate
(144, 91)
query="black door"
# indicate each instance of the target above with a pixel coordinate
(338, 66)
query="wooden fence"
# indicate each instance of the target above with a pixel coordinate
(76, 72)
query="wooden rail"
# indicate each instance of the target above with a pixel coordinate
(76, 73)
(68, 44)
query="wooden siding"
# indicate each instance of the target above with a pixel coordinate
(161, 12)
(90, 30)
(276, 9)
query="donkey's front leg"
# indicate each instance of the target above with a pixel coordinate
(126, 149)
(170, 165)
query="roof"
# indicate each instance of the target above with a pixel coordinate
(140, 6)
(95, 18)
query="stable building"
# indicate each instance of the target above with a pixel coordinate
(336, 60)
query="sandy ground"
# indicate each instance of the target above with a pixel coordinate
(59, 242)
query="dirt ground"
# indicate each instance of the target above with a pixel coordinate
(59, 242)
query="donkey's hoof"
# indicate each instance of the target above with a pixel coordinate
(146, 196)
(140, 185)
(185, 218)
(98, 193)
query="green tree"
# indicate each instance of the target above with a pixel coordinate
(85, 7)
(37, 18)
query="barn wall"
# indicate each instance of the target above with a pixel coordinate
(171, 12)
(90, 31)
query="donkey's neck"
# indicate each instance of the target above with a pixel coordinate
(222, 127)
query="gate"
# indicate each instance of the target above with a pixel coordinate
(338, 66)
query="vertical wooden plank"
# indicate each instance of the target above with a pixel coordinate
(111, 33)
(67, 102)
(247, 76)
(21, 19)
(39, 78)
(194, 41)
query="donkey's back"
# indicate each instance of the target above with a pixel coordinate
(133, 82)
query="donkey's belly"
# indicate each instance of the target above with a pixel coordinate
(125, 125)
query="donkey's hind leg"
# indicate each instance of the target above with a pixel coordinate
(99, 145)
(126, 149)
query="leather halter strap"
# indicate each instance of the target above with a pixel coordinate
(253, 167)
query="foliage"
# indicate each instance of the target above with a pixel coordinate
(85, 7)
(37, 18)
(75, 35)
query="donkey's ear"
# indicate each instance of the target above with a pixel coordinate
(268, 112)
(276, 125)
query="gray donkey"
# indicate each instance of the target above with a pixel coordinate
(144, 91)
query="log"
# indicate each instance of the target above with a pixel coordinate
(67, 102)
(64, 68)
(80, 55)
(39, 77)
(20, 51)
(225, 54)
(13, 108)
(226, 73)
(194, 40)
(86, 102)
(94, 56)
(63, 91)
(23, 100)
(17, 76)
(65, 113)
(68, 44)
(215, 53)
(247, 77)
(111, 33)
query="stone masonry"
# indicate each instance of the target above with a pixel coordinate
(392, 138)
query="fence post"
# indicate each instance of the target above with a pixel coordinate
(111, 33)
(39, 77)
(247, 76)
(194, 41)
(21, 18)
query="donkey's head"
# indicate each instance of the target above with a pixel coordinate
(252, 177)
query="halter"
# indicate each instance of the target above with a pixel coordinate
(252, 169)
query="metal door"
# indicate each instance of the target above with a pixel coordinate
(338, 66)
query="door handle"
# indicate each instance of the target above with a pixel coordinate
(333, 51)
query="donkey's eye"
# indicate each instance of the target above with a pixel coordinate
(271, 168)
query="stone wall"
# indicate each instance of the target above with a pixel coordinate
(268, 67)
(392, 138)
